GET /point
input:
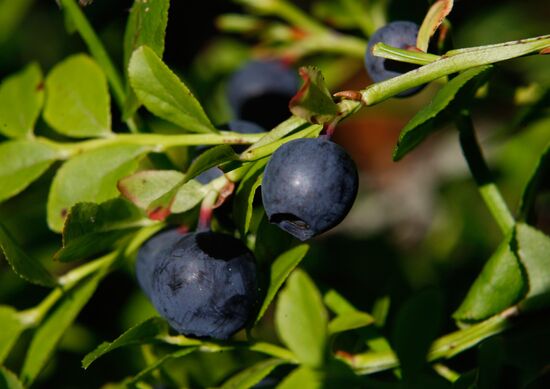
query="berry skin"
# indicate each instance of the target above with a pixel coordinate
(204, 285)
(398, 34)
(260, 92)
(309, 186)
(152, 249)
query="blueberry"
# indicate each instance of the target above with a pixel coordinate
(397, 34)
(152, 249)
(260, 92)
(204, 285)
(309, 186)
(240, 126)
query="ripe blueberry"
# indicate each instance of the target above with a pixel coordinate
(398, 34)
(204, 284)
(309, 186)
(260, 92)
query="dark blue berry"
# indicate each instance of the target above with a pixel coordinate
(154, 248)
(309, 186)
(260, 92)
(398, 34)
(204, 285)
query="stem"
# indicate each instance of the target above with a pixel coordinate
(415, 57)
(481, 174)
(327, 43)
(160, 142)
(473, 57)
(206, 211)
(34, 316)
(310, 131)
(297, 17)
(445, 372)
(443, 348)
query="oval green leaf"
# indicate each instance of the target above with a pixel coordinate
(252, 375)
(144, 332)
(91, 228)
(90, 177)
(22, 162)
(146, 26)
(456, 94)
(78, 102)
(164, 94)
(22, 264)
(21, 99)
(499, 285)
(301, 319)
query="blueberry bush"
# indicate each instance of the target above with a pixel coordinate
(195, 218)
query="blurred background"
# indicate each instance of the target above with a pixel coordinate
(417, 224)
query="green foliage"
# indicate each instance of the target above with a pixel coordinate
(456, 95)
(313, 102)
(22, 264)
(253, 375)
(146, 26)
(21, 99)
(12, 327)
(90, 177)
(91, 228)
(164, 94)
(22, 162)
(78, 102)
(301, 320)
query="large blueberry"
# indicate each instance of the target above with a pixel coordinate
(154, 248)
(309, 186)
(205, 285)
(260, 92)
(398, 34)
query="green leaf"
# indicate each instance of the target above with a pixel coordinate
(78, 102)
(456, 94)
(418, 324)
(22, 162)
(91, 228)
(252, 375)
(144, 187)
(12, 327)
(499, 285)
(210, 158)
(90, 177)
(158, 363)
(52, 329)
(271, 241)
(23, 265)
(163, 93)
(144, 332)
(313, 102)
(349, 321)
(162, 192)
(244, 195)
(21, 99)
(280, 269)
(146, 26)
(301, 319)
(337, 303)
(433, 19)
(531, 189)
(534, 254)
(8, 380)
(303, 378)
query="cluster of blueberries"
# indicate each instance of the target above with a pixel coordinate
(204, 283)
